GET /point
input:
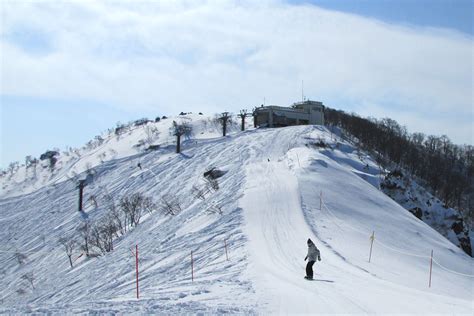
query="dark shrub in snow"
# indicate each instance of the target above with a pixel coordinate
(49, 154)
(153, 147)
(140, 122)
(320, 144)
(214, 173)
(119, 129)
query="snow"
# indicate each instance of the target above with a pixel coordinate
(270, 199)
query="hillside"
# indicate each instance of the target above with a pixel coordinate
(413, 197)
(247, 238)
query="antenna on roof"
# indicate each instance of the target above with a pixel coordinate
(302, 91)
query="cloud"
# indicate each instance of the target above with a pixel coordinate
(207, 56)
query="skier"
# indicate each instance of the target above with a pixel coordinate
(313, 255)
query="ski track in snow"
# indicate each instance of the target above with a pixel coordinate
(278, 229)
(275, 225)
(270, 200)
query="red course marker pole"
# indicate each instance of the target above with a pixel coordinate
(136, 266)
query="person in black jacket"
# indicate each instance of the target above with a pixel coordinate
(312, 256)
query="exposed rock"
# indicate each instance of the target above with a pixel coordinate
(417, 212)
(458, 227)
(465, 244)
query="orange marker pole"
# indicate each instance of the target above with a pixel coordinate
(371, 244)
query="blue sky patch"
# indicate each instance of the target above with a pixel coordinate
(30, 40)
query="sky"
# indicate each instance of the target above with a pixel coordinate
(72, 69)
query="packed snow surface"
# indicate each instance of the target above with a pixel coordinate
(278, 190)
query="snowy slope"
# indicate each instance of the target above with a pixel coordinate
(270, 199)
(282, 208)
(109, 146)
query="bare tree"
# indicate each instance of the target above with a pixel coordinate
(28, 161)
(12, 167)
(200, 191)
(119, 129)
(29, 277)
(85, 232)
(169, 205)
(96, 238)
(69, 246)
(103, 234)
(109, 232)
(93, 201)
(120, 218)
(134, 206)
(99, 140)
(178, 130)
(212, 183)
(151, 133)
(214, 208)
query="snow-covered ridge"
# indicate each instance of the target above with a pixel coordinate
(279, 188)
(118, 143)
